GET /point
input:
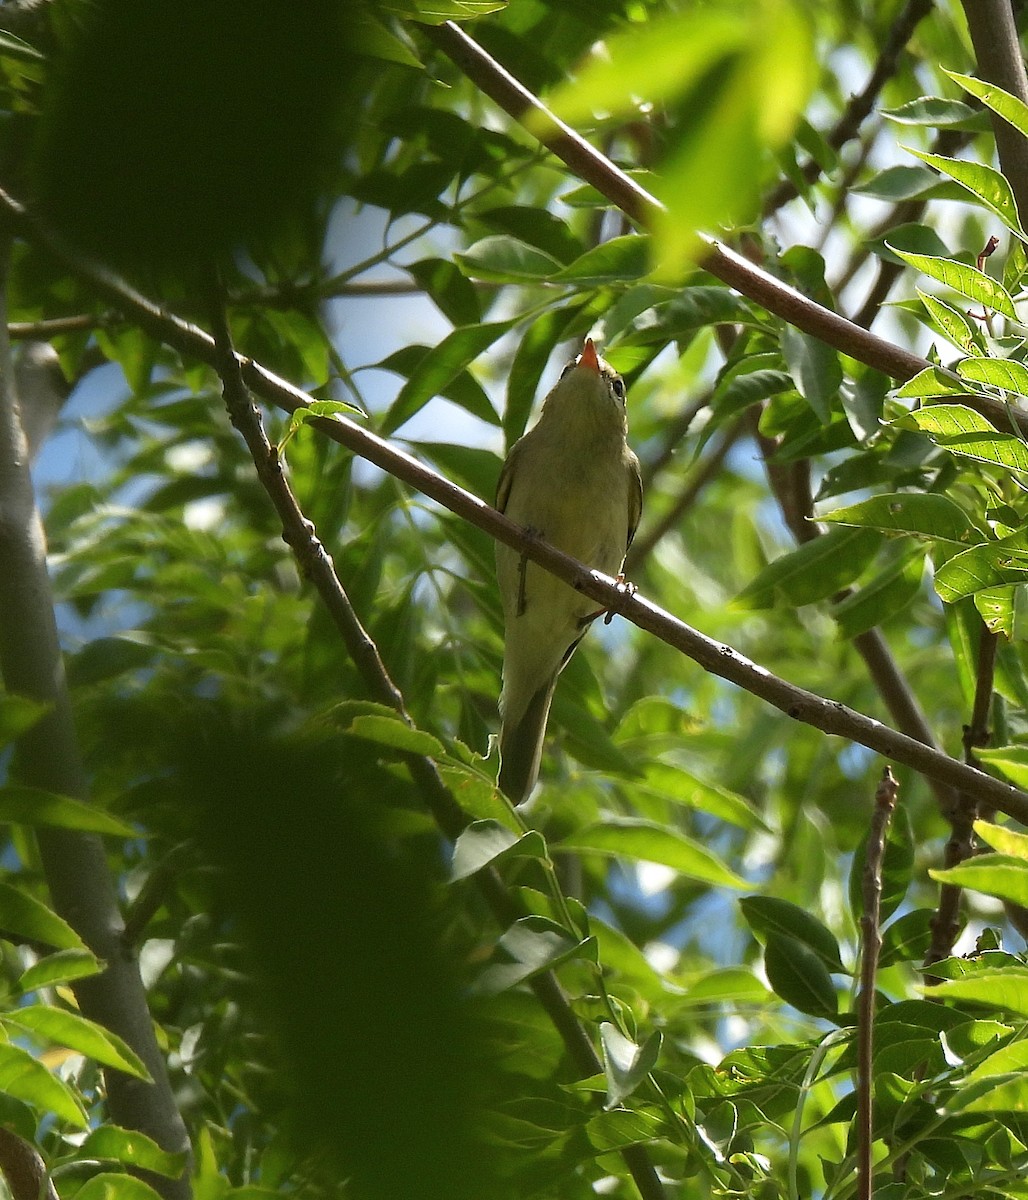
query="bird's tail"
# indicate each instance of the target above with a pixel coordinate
(521, 745)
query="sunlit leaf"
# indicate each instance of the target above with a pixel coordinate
(994, 874)
(25, 1078)
(982, 181)
(922, 514)
(79, 1034)
(968, 281)
(1009, 107)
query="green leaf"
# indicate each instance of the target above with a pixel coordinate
(654, 60)
(110, 1143)
(1000, 837)
(799, 976)
(998, 875)
(15, 47)
(370, 38)
(618, 260)
(536, 945)
(1004, 609)
(1005, 990)
(1010, 108)
(32, 806)
(633, 837)
(922, 514)
(623, 1127)
(625, 1063)
(887, 593)
(984, 566)
(930, 382)
(818, 569)
(678, 786)
(907, 939)
(475, 468)
(440, 367)
(435, 12)
(463, 389)
(968, 281)
(899, 183)
(815, 369)
(964, 432)
(111, 1186)
(1012, 761)
(108, 657)
(325, 409)
(950, 321)
(767, 915)
(25, 1078)
(1002, 373)
(25, 917)
(500, 258)
(77, 1033)
(485, 842)
(897, 867)
(984, 182)
(64, 966)
(933, 111)
(17, 714)
(451, 291)
(397, 734)
(533, 353)
(742, 385)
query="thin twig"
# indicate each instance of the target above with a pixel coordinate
(871, 946)
(316, 564)
(43, 331)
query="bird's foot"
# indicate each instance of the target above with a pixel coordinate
(623, 585)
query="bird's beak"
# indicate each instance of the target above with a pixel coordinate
(588, 357)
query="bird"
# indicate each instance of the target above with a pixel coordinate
(573, 481)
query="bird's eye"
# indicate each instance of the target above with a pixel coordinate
(618, 384)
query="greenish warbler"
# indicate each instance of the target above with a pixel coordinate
(573, 481)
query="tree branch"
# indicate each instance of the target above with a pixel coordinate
(75, 864)
(720, 660)
(725, 264)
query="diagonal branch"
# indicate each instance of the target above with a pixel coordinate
(731, 268)
(827, 715)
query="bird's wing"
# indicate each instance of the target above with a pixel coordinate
(507, 476)
(635, 499)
